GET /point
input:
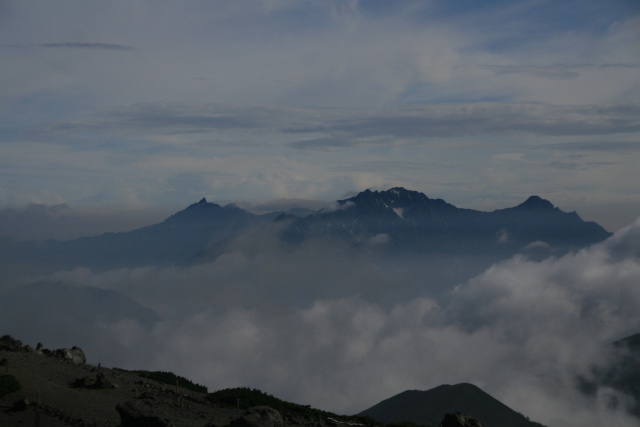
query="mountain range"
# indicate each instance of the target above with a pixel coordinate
(395, 222)
(412, 222)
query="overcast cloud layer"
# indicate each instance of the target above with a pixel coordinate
(156, 104)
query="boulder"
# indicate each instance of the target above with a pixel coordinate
(73, 354)
(137, 413)
(7, 342)
(259, 416)
(77, 356)
(458, 419)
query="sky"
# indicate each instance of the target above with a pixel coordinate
(147, 106)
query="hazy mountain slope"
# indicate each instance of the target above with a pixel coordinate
(176, 240)
(429, 407)
(412, 222)
(52, 310)
(392, 222)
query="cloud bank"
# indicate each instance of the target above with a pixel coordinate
(318, 327)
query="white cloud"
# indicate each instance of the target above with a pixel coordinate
(320, 327)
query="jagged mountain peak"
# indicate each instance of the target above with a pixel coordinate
(394, 198)
(202, 203)
(536, 203)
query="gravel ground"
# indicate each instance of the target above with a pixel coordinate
(49, 388)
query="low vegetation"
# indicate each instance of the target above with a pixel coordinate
(245, 397)
(8, 384)
(173, 379)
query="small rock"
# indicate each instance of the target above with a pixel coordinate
(73, 354)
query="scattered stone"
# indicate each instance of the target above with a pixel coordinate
(259, 416)
(73, 354)
(458, 419)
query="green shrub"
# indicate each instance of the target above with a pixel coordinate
(245, 398)
(8, 384)
(171, 378)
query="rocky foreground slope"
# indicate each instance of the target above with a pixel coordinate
(40, 387)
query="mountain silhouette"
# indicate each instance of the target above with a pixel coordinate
(429, 407)
(413, 222)
(393, 222)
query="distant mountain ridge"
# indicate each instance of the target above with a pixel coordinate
(415, 223)
(428, 407)
(395, 222)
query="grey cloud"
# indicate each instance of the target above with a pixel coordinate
(493, 119)
(90, 46)
(566, 165)
(322, 144)
(621, 65)
(386, 165)
(551, 72)
(571, 165)
(605, 146)
(165, 119)
(329, 129)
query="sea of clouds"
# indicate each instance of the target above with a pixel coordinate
(323, 326)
